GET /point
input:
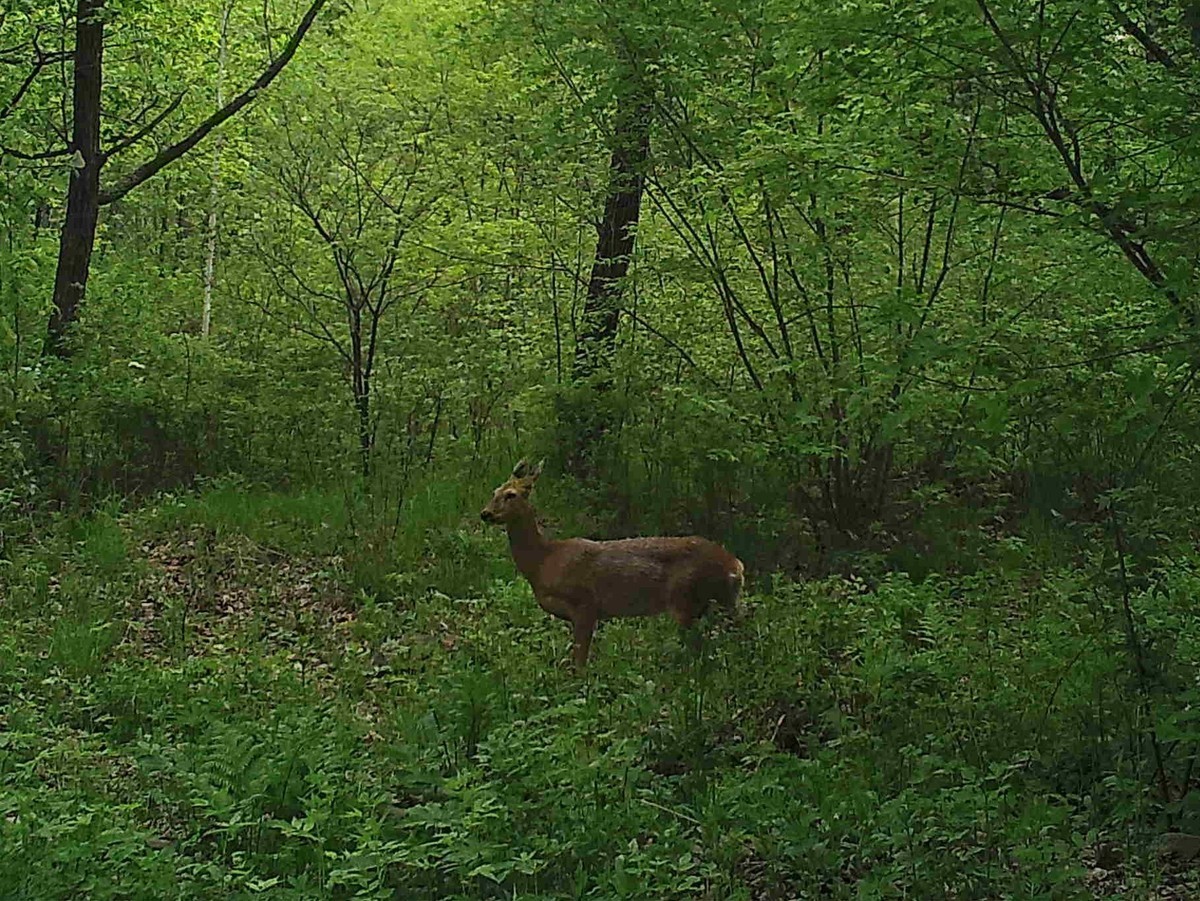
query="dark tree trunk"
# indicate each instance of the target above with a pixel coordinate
(1191, 20)
(360, 379)
(596, 341)
(586, 416)
(362, 404)
(83, 195)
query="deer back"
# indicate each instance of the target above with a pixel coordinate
(639, 576)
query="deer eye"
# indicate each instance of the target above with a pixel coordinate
(510, 494)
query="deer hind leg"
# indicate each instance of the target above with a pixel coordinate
(584, 627)
(686, 613)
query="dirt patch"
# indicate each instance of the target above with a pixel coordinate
(1109, 875)
(196, 591)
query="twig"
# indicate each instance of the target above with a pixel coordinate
(674, 813)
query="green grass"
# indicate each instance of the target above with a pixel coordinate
(306, 522)
(199, 701)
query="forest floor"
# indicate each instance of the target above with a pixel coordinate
(191, 707)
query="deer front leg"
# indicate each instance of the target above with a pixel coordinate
(584, 626)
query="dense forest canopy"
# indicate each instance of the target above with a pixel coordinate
(895, 300)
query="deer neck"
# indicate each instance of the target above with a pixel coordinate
(529, 547)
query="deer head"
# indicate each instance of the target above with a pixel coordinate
(510, 501)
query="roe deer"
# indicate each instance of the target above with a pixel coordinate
(587, 581)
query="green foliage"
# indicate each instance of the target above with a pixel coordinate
(965, 736)
(858, 284)
(911, 312)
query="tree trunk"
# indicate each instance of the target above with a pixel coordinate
(214, 191)
(360, 377)
(596, 340)
(1191, 20)
(362, 403)
(83, 195)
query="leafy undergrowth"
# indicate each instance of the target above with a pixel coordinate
(189, 712)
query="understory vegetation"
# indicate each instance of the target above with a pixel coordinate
(895, 301)
(197, 704)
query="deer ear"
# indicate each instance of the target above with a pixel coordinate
(520, 469)
(537, 470)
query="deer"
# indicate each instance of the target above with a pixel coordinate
(585, 581)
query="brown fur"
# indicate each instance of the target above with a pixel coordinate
(585, 581)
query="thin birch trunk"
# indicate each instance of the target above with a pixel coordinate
(210, 259)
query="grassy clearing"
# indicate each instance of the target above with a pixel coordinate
(201, 699)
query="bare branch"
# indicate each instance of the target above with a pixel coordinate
(1153, 48)
(1060, 133)
(127, 142)
(34, 157)
(170, 154)
(41, 59)
(673, 344)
